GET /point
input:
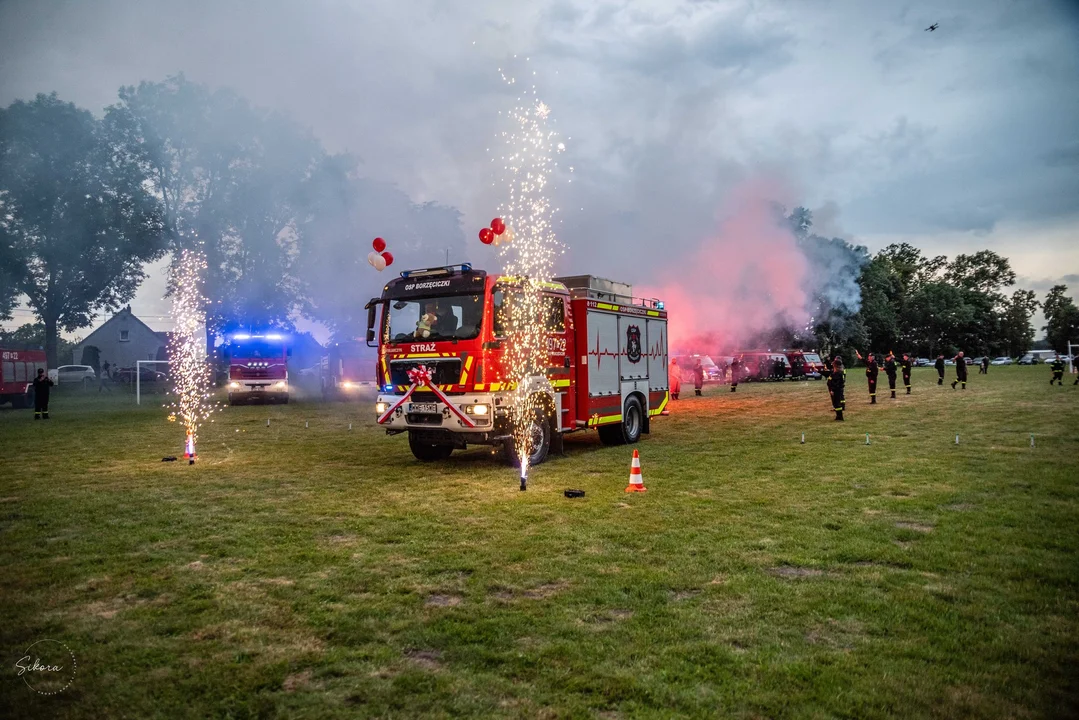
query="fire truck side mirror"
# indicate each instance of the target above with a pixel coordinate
(371, 307)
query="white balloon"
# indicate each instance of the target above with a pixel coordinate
(379, 263)
(371, 258)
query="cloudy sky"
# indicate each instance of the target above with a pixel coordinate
(954, 140)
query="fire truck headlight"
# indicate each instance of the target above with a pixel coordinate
(234, 385)
(346, 384)
(280, 384)
(380, 408)
(477, 409)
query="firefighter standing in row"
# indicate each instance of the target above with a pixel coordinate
(837, 378)
(871, 372)
(736, 368)
(42, 383)
(939, 365)
(890, 371)
(698, 377)
(1057, 366)
(960, 371)
(674, 378)
(985, 366)
(906, 364)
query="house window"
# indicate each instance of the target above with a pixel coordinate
(123, 336)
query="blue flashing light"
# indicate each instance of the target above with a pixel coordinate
(241, 336)
(273, 336)
(659, 305)
(387, 388)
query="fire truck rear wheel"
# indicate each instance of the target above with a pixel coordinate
(629, 430)
(428, 451)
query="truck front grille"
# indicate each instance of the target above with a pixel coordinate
(444, 372)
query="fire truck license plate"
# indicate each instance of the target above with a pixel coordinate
(429, 408)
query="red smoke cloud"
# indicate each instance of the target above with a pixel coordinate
(748, 278)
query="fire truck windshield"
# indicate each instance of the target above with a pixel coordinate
(453, 317)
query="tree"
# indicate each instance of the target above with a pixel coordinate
(228, 176)
(79, 220)
(1062, 319)
(1017, 333)
(984, 271)
(880, 287)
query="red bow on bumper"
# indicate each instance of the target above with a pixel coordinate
(421, 376)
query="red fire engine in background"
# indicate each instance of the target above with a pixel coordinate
(18, 368)
(606, 367)
(344, 369)
(258, 367)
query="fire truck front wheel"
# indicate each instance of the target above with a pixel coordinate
(428, 451)
(540, 432)
(629, 430)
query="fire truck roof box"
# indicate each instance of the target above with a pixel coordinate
(598, 288)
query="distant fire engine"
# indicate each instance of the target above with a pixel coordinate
(258, 367)
(606, 365)
(344, 369)
(18, 368)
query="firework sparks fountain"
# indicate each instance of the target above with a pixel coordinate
(528, 150)
(191, 403)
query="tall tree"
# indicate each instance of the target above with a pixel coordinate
(1017, 334)
(82, 224)
(227, 175)
(1061, 318)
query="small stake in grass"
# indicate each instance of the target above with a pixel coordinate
(957, 438)
(1032, 439)
(867, 438)
(267, 422)
(803, 438)
(305, 423)
(350, 426)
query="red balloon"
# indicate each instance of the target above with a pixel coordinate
(486, 236)
(379, 245)
(498, 226)
(389, 258)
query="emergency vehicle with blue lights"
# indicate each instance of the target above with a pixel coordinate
(258, 367)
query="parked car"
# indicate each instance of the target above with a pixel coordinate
(1001, 361)
(146, 374)
(949, 361)
(923, 362)
(74, 374)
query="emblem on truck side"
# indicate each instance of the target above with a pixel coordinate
(633, 344)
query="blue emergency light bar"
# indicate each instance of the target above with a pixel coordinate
(433, 272)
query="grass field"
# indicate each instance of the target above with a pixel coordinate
(322, 572)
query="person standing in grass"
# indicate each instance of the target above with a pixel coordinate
(890, 371)
(906, 364)
(837, 378)
(939, 365)
(698, 377)
(1057, 366)
(960, 371)
(1075, 369)
(871, 373)
(42, 383)
(985, 366)
(674, 379)
(736, 369)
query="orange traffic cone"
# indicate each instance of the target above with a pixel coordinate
(636, 481)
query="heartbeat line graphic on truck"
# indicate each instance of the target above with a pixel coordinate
(655, 352)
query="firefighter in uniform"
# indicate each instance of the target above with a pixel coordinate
(42, 383)
(960, 371)
(674, 378)
(836, 382)
(939, 365)
(1075, 368)
(985, 366)
(1057, 366)
(871, 372)
(736, 370)
(906, 364)
(698, 378)
(890, 371)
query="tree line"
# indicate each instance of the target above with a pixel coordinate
(910, 302)
(86, 202)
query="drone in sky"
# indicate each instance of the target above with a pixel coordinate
(932, 27)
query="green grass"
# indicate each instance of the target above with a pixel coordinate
(321, 572)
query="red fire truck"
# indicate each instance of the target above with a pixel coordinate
(258, 367)
(345, 369)
(805, 364)
(18, 368)
(606, 367)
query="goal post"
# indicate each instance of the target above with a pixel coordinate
(138, 375)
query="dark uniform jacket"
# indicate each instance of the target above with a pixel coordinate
(871, 369)
(889, 367)
(939, 365)
(1057, 366)
(961, 367)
